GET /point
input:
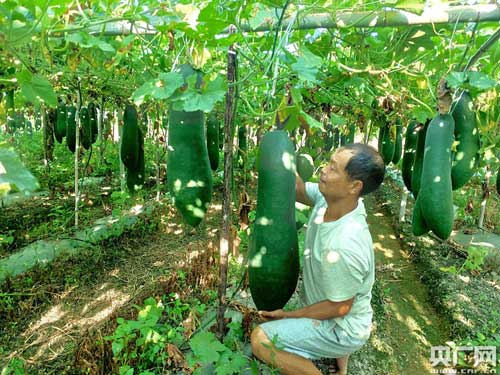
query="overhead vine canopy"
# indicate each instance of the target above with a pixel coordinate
(336, 54)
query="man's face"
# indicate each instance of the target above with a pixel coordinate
(334, 180)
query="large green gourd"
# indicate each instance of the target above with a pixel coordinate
(409, 152)
(343, 140)
(419, 160)
(93, 120)
(86, 129)
(9, 109)
(305, 166)
(129, 150)
(419, 226)
(435, 198)
(328, 138)
(466, 156)
(336, 139)
(71, 128)
(135, 177)
(188, 175)
(398, 144)
(352, 133)
(213, 140)
(273, 257)
(385, 143)
(61, 117)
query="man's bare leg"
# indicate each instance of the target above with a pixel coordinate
(289, 363)
(342, 365)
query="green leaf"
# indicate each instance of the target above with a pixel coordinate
(193, 100)
(13, 174)
(103, 46)
(312, 122)
(415, 6)
(232, 363)
(139, 95)
(481, 81)
(159, 88)
(456, 79)
(421, 114)
(261, 16)
(36, 88)
(77, 38)
(307, 66)
(206, 347)
(337, 120)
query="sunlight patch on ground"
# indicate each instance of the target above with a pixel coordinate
(51, 337)
(418, 307)
(465, 279)
(51, 316)
(464, 298)
(416, 331)
(378, 214)
(388, 253)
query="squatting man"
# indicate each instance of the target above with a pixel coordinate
(338, 270)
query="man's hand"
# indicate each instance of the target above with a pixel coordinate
(272, 315)
(321, 310)
(300, 192)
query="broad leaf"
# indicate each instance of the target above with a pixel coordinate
(36, 88)
(201, 100)
(231, 363)
(13, 174)
(481, 81)
(312, 122)
(337, 120)
(456, 79)
(415, 6)
(206, 347)
(159, 88)
(421, 114)
(261, 16)
(307, 66)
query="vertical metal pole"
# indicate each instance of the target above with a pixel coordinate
(77, 151)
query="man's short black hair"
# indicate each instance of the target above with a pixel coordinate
(365, 165)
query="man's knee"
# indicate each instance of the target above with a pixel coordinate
(258, 339)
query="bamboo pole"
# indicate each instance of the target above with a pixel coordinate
(225, 238)
(77, 152)
(338, 20)
(386, 18)
(484, 198)
(100, 131)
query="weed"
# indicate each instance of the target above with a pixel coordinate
(15, 367)
(473, 263)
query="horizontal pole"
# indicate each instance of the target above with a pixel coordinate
(386, 18)
(341, 20)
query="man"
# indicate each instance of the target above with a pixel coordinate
(338, 270)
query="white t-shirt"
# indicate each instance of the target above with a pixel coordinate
(339, 263)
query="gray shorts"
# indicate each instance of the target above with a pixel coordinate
(311, 338)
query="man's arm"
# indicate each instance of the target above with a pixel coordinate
(322, 310)
(300, 191)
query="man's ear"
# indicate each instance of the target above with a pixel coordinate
(356, 187)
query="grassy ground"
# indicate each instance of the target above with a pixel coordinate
(54, 319)
(406, 324)
(468, 300)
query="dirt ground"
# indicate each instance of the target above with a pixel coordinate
(51, 337)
